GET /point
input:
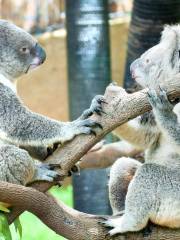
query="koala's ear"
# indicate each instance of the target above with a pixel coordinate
(169, 38)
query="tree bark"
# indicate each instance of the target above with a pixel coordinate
(106, 155)
(70, 223)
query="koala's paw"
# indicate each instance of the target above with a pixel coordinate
(46, 172)
(115, 223)
(96, 106)
(111, 222)
(75, 169)
(159, 101)
(86, 126)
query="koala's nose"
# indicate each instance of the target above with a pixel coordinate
(134, 65)
(40, 53)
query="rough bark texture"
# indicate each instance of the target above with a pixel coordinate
(107, 154)
(68, 222)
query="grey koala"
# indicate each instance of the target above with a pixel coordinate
(23, 133)
(154, 191)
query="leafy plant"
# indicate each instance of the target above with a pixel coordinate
(5, 232)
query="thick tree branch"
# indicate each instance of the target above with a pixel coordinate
(106, 155)
(68, 222)
(121, 107)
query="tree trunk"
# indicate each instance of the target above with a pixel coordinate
(89, 74)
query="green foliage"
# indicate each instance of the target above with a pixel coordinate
(3, 208)
(5, 233)
(18, 227)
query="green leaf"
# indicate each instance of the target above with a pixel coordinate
(4, 209)
(4, 227)
(18, 227)
(1, 236)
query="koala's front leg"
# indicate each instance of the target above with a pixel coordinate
(164, 115)
(17, 166)
(42, 152)
(159, 102)
(28, 129)
(45, 172)
(78, 127)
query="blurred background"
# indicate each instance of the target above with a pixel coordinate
(124, 29)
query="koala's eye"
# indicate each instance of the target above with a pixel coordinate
(25, 50)
(179, 53)
(147, 60)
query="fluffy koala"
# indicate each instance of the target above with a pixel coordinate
(23, 133)
(154, 192)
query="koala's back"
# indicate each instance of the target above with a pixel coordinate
(159, 187)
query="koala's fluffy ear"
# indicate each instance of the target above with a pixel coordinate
(169, 38)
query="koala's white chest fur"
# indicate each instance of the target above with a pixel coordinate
(166, 154)
(168, 213)
(7, 82)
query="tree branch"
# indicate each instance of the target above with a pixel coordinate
(121, 107)
(106, 155)
(68, 222)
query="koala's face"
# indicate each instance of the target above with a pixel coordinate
(159, 62)
(19, 51)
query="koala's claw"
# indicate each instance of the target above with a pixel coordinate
(103, 218)
(85, 126)
(93, 132)
(100, 99)
(50, 166)
(75, 169)
(105, 224)
(44, 173)
(91, 123)
(113, 222)
(96, 107)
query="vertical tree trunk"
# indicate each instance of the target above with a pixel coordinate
(89, 74)
(148, 19)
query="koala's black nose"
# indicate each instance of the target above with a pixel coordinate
(40, 53)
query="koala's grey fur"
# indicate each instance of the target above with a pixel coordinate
(154, 192)
(23, 133)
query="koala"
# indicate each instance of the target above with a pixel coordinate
(154, 191)
(25, 135)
